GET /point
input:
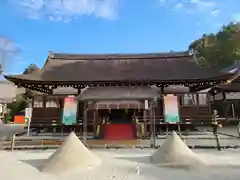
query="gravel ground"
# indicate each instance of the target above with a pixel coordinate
(200, 142)
(121, 164)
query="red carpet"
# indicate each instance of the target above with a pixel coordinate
(119, 132)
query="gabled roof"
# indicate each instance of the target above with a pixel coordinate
(173, 67)
(234, 84)
(232, 87)
(234, 67)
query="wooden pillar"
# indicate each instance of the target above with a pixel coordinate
(44, 100)
(85, 123)
(196, 103)
(151, 127)
(94, 122)
(33, 99)
(209, 103)
(78, 116)
(145, 122)
(154, 126)
(13, 142)
(233, 111)
(215, 132)
(238, 129)
(79, 91)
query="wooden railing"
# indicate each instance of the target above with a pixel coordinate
(47, 117)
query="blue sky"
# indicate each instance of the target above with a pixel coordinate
(105, 26)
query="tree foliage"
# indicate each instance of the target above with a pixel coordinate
(17, 106)
(30, 69)
(218, 50)
(22, 99)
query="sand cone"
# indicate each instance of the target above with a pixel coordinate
(70, 155)
(174, 152)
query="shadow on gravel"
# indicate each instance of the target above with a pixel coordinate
(37, 163)
(140, 159)
(146, 160)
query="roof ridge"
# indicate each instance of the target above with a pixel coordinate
(119, 56)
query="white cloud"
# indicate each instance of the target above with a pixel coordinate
(203, 3)
(162, 1)
(201, 8)
(8, 51)
(192, 6)
(7, 47)
(215, 12)
(198, 24)
(205, 12)
(236, 17)
(65, 10)
(218, 25)
(179, 5)
(204, 7)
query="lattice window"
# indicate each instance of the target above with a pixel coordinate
(53, 102)
(38, 103)
(189, 99)
(202, 99)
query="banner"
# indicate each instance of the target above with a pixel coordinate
(69, 116)
(171, 113)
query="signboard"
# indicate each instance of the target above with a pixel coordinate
(65, 90)
(233, 95)
(171, 113)
(124, 104)
(146, 104)
(69, 116)
(28, 117)
(28, 113)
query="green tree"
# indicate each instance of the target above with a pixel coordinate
(17, 106)
(218, 50)
(22, 99)
(30, 69)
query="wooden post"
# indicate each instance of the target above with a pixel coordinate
(62, 129)
(94, 123)
(215, 132)
(13, 142)
(85, 124)
(233, 111)
(154, 126)
(167, 131)
(179, 129)
(145, 122)
(238, 128)
(151, 128)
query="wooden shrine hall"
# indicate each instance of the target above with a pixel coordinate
(114, 92)
(225, 99)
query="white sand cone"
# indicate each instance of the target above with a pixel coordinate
(175, 153)
(70, 155)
